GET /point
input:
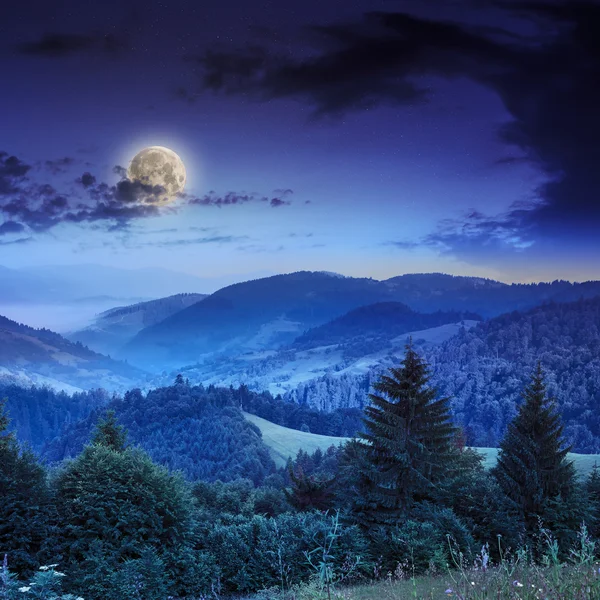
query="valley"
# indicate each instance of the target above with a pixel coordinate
(236, 417)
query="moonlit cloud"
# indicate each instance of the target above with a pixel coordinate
(28, 204)
(280, 198)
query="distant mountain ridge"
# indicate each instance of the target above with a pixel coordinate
(268, 313)
(29, 355)
(255, 314)
(380, 320)
(115, 327)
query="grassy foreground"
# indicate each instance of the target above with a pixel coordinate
(515, 579)
(284, 443)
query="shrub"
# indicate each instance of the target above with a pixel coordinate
(114, 504)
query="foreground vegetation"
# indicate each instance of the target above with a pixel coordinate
(407, 507)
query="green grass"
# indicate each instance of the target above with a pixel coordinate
(583, 462)
(284, 443)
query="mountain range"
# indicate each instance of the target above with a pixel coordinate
(43, 357)
(113, 328)
(268, 313)
(320, 339)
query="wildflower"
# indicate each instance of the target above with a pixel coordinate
(24, 589)
(517, 583)
(449, 592)
(472, 583)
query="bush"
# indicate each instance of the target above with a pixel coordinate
(190, 572)
(142, 578)
(261, 553)
(112, 505)
(420, 543)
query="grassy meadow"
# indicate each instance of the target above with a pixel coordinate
(284, 443)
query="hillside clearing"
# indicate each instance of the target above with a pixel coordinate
(284, 443)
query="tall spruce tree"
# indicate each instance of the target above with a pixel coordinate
(408, 443)
(24, 502)
(533, 470)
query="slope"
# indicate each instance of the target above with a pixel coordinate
(200, 431)
(485, 368)
(113, 328)
(29, 355)
(380, 322)
(284, 443)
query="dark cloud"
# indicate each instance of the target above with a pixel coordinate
(12, 173)
(120, 171)
(364, 65)
(26, 203)
(128, 192)
(275, 202)
(59, 165)
(403, 244)
(17, 241)
(213, 239)
(11, 227)
(59, 45)
(234, 198)
(86, 180)
(549, 82)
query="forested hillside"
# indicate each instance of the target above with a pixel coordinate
(370, 328)
(484, 369)
(200, 431)
(32, 355)
(39, 414)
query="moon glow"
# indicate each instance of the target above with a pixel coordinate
(157, 165)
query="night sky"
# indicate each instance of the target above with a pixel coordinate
(369, 138)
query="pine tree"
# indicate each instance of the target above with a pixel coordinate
(533, 469)
(24, 501)
(309, 492)
(109, 433)
(593, 490)
(408, 444)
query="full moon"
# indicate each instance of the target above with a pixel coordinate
(161, 166)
